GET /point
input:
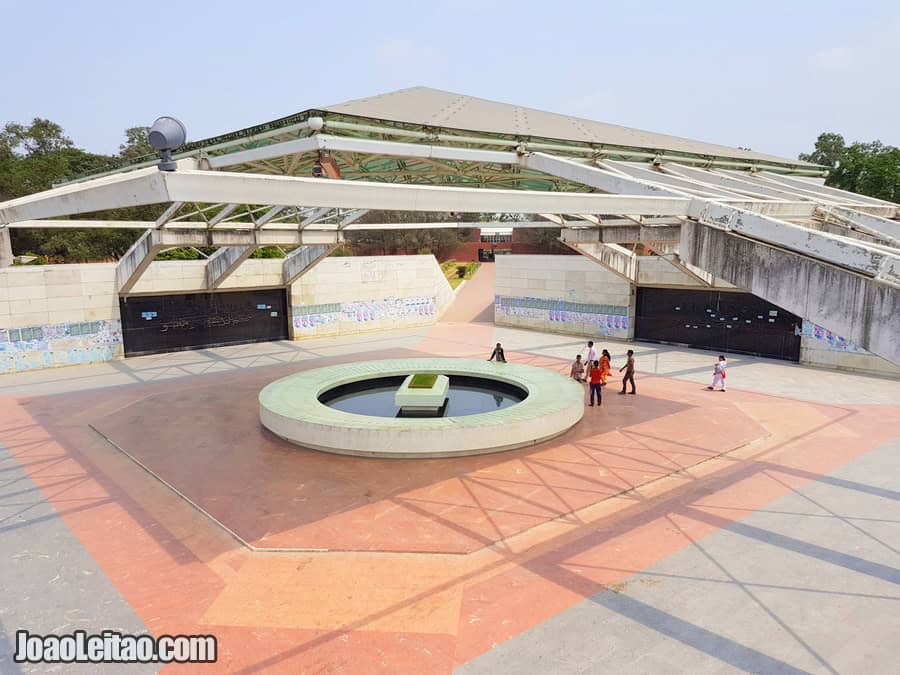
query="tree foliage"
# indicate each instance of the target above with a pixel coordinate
(439, 241)
(871, 169)
(34, 156)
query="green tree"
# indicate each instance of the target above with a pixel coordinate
(136, 143)
(33, 157)
(871, 169)
(828, 150)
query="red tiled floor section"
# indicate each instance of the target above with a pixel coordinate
(207, 442)
(370, 612)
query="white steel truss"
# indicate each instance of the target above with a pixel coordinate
(618, 201)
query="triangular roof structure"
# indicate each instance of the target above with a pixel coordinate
(431, 116)
(436, 108)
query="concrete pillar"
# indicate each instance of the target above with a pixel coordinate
(6, 254)
(224, 262)
(138, 258)
(302, 259)
(632, 310)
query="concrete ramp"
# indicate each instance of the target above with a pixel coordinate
(475, 300)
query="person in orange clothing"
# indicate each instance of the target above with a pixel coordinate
(595, 376)
(605, 367)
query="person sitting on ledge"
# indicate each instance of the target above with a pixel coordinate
(498, 354)
(577, 372)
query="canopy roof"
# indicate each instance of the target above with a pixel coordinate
(435, 117)
(448, 110)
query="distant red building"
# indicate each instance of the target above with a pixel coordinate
(485, 243)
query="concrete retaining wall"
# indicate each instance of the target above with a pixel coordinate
(562, 294)
(549, 292)
(352, 295)
(59, 315)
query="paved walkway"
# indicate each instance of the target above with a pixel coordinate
(675, 531)
(475, 299)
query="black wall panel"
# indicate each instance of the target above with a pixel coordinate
(168, 323)
(737, 323)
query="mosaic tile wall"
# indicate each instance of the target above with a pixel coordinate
(561, 294)
(825, 339)
(820, 347)
(59, 344)
(363, 315)
(563, 316)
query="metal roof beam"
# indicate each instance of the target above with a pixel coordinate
(135, 188)
(831, 193)
(273, 226)
(731, 183)
(297, 147)
(866, 223)
(811, 195)
(675, 182)
(351, 217)
(268, 215)
(363, 146)
(168, 214)
(594, 177)
(207, 186)
(316, 215)
(226, 211)
(152, 187)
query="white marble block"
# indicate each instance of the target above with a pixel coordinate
(422, 399)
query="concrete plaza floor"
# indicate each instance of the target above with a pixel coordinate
(679, 530)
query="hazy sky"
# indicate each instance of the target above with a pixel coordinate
(766, 75)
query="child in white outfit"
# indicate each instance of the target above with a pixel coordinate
(719, 374)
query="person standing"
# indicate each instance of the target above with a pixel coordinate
(605, 367)
(577, 370)
(498, 354)
(591, 357)
(719, 374)
(595, 383)
(629, 373)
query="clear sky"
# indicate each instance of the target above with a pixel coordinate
(765, 75)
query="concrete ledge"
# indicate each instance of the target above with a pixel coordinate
(290, 408)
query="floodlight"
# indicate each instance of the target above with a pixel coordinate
(167, 134)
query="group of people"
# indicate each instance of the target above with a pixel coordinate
(596, 370)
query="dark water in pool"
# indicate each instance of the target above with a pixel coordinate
(466, 396)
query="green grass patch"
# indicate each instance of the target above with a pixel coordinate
(457, 272)
(423, 381)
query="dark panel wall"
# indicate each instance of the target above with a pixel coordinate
(729, 322)
(167, 323)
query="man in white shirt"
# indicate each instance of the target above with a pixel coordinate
(591, 357)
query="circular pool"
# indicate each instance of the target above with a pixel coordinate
(467, 395)
(350, 408)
